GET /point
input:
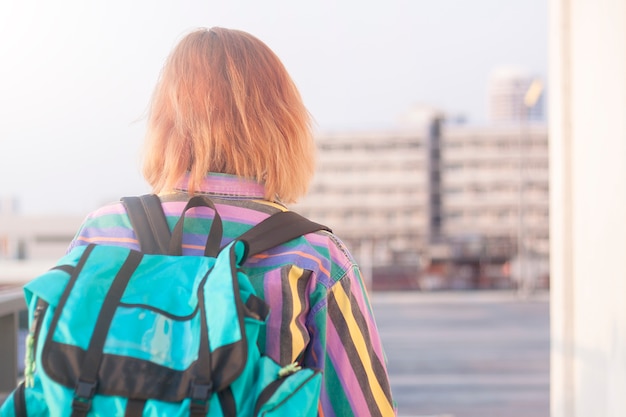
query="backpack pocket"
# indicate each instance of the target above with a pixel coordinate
(296, 394)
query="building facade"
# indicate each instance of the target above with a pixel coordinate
(456, 200)
(370, 188)
(495, 200)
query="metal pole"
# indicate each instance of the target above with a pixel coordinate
(530, 100)
(521, 253)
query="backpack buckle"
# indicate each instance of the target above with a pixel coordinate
(199, 394)
(85, 389)
(83, 394)
(80, 405)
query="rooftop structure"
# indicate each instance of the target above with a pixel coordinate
(507, 90)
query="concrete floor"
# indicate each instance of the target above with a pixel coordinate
(466, 354)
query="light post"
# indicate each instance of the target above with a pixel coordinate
(530, 100)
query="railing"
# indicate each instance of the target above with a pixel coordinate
(11, 304)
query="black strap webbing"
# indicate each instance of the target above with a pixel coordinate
(227, 402)
(277, 229)
(19, 401)
(214, 237)
(148, 220)
(134, 407)
(88, 379)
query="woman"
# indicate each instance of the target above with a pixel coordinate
(227, 121)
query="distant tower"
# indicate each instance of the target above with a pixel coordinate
(507, 88)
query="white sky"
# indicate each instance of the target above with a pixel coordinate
(76, 76)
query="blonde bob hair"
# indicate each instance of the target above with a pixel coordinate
(225, 103)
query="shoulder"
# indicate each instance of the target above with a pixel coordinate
(109, 225)
(109, 212)
(334, 256)
(331, 255)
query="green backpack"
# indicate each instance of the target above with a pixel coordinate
(117, 332)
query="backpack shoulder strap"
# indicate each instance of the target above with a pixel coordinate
(277, 229)
(148, 220)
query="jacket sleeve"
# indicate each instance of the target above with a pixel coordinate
(356, 381)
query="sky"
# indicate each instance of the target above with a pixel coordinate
(76, 76)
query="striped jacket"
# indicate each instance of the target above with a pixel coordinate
(321, 313)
